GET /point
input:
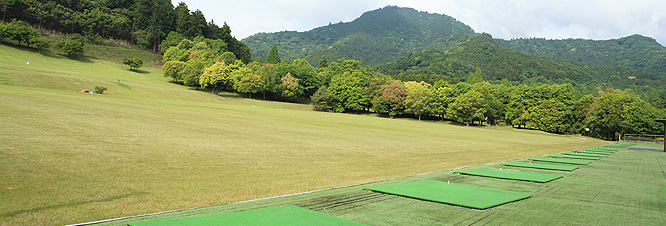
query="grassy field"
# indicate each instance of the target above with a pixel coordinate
(626, 188)
(147, 145)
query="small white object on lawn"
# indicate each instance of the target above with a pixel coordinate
(27, 62)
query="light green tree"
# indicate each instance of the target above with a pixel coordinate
(289, 88)
(216, 77)
(250, 84)
(440, 100)
(416, 101)
(173, 69)
(176, 54)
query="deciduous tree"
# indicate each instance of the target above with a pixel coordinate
(416, 101)
(216, 77)
(72, 45)
(394, 96)
(250, 84)
(289, 88)
(133, 63)
(467, 108)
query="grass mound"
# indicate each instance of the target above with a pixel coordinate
(454, 194)
(511, 174)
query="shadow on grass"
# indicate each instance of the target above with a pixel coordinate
(107, 199)
(43, 52)
(81, 59)
(140, 71)
(123, 85)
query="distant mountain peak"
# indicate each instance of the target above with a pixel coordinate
(376, 37)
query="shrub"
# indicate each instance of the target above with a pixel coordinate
(99, 89)
(72, 45)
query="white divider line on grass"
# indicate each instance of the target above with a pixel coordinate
(280, 196)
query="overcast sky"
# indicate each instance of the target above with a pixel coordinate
(506, 19)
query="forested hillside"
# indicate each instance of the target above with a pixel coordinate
(145, 23)
(499, 62)
(636, 51)
(376, 37)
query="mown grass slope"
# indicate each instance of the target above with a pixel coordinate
(147, 145)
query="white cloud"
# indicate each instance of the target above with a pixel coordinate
(590, 19)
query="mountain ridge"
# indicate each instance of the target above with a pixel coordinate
(383, 35)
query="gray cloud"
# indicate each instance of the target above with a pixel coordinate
(590, 19)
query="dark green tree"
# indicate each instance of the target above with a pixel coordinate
(133, 63)
(323, 62)
(273, 56)
(475, 77)
(468, 108)
(40, 42)
(321, 100)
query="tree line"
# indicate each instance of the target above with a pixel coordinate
(347, 86)
(146, 23)
(22, 32)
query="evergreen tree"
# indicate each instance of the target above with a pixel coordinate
(273, 56)
(323, 62)
(475, 77)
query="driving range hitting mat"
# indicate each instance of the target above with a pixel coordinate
(582, 154)
(511, 174)
(285, 215)
(566, 161)
(603, 149)
(453, 194)
(540, 166)
(574, 157)
(593, 152)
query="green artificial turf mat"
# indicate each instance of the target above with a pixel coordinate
(620, 145)
(593, 152)
(566, 161)
(454, 194)
(603, 149)
(511, 174)
(573, 157)
(583, 154)
(286, 215)
(540, 166)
